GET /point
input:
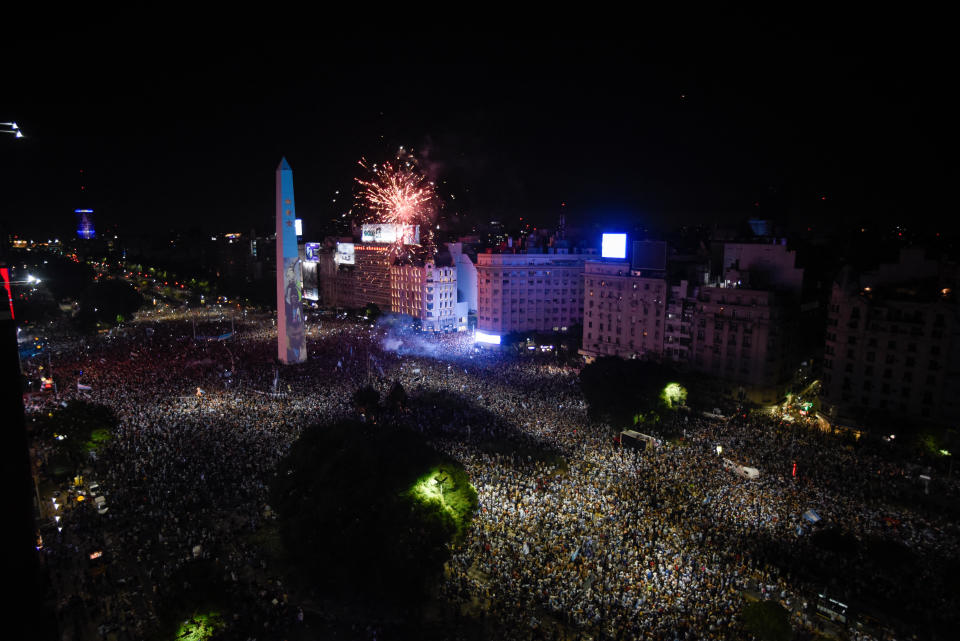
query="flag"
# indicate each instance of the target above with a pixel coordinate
(81, 386)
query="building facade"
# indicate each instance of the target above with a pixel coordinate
(529, 292)
(371, 277)
(678, 325)
(743, 337)
(624, 311)
(893, 344)
(428, 292)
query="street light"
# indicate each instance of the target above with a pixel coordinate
(14, 129)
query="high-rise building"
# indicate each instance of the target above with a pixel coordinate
(893, 343)
(678, 325)
(743, 338)
(371, 273)
(529, 292)
(427, 291)
(85, 228)
(623, 311)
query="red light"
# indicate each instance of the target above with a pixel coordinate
(794, 468)
(823, 197)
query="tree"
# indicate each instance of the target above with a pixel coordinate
(618, 390)
(65, 278)
(370, 512)
(76, 430)
(397, 398)
(768, 620)
(110, 299)
(372, 311)
(367, 400)
(673, 395)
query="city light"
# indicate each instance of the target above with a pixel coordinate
(484, 337)
(614, 246)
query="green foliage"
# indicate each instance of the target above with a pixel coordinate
(83, 427)
(106, 301)
(372, 311)
(447, 494)
(768, 620)
(199, 608)
(98, 438)
(619, 390)
(358, 512)
(201, 627)
(673, 395)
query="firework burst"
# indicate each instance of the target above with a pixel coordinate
(399, 193)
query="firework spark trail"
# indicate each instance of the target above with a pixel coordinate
(399, 195)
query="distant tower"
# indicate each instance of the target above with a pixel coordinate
(291, 334)
(85, 228)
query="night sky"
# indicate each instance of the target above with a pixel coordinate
(800, 131)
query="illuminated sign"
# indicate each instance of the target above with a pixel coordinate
(311, 252)
(345, 254)
(390, 233)
(484, 337)
(85, 228)
(5, 277)
(298, 225)
(614, 246)
(310, 291)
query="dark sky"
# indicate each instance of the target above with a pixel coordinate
(177, 135)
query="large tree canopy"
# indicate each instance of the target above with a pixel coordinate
(110, 301)
(767, 620)
(370, 511)
(627, 391)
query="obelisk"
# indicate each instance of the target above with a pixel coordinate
(291, 337)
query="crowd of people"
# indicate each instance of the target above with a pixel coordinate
(575, 534)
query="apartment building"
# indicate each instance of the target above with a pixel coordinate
(529, 292)
(624, 311)
(893, 343)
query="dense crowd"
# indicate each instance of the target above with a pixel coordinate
(574, 533)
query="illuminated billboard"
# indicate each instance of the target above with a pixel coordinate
(311, 252)
(85, 228)
(484, 337)
(298, 226)
(614, 246)
(390, 233)
(310, 291)
(344, 254)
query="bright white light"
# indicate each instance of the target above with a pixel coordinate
(484, 337)
(614, 246)
(299, 226)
